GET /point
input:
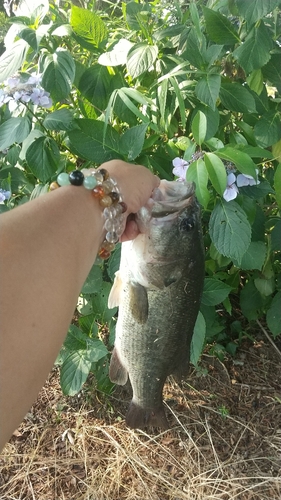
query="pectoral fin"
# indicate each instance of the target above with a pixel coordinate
(138, 302)
(115, 292)
(117, 373)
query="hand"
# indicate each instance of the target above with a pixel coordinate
(136, 184)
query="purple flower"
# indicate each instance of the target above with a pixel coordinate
(231, 190)
(34, 79)
(180, 168)
(4, 195)
(4, 97)
(247, 180)
(41, 97)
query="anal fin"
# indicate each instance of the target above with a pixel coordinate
(117, 373)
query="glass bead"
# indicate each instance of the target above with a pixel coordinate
(123, 206)
(90, 182)
(76, 178)
(107, 186)
(114, 196)
(63, 179)
(98, 192)
(112, 237)
(111, 225)
(118, 209)
(109, 212)
(104, 173)
(119, 230)
(98, 176)
(53, 186)
(108, 246)
(105, 201)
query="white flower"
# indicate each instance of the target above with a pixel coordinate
(231, 190)
(247, 180)
(180, 168)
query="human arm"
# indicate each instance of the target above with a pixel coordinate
(47, 248)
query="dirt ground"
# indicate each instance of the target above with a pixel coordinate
(224, 442)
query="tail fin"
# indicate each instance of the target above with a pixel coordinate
(139, 417)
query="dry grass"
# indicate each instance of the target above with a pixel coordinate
(224, 442)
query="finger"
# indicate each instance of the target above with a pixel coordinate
(131, 231)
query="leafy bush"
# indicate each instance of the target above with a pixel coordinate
(192, 91)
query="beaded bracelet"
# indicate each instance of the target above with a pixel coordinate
(105, 189)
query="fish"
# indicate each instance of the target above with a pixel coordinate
(158, 290)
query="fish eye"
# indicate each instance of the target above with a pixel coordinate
(187, 224)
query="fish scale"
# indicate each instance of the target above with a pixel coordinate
(158, 289)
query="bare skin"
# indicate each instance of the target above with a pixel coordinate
(47, 249)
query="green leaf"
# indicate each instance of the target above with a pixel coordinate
(43, 157)
(216, 171)
(14, 130)
(272, 71)
(268, 129)
(88, 141)
(197, 173)
(74, 372)
(219, 28)
(34, 134)
(29, 35)
(12, 59)
(140, 58)
(242, 161)
(162, 90)
(255, 50)
(273, 316)
(179, 100)
(254, 256)
(131, 142)
(255, 81)
(93, 282)
(251, 301)
(215, 291)
(59, 73)
(253, 10)
(208, 88)
(237, 98)
(89, 27)
(114, 262)
(100, 301)
(193, 49)
(94, 84)
(275, 240)
(265, 286)
(199, 127)
(277, 184)
(230, 230)
(198, 339)
(61, 119)
(212, 116)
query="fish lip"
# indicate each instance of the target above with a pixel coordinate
(164, 205)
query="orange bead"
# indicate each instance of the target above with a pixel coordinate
(103, 253)
(98, 192)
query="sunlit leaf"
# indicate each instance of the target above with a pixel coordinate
(141, 58)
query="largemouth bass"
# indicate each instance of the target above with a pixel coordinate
(158, 290)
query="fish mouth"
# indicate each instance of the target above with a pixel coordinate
(167, 202)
